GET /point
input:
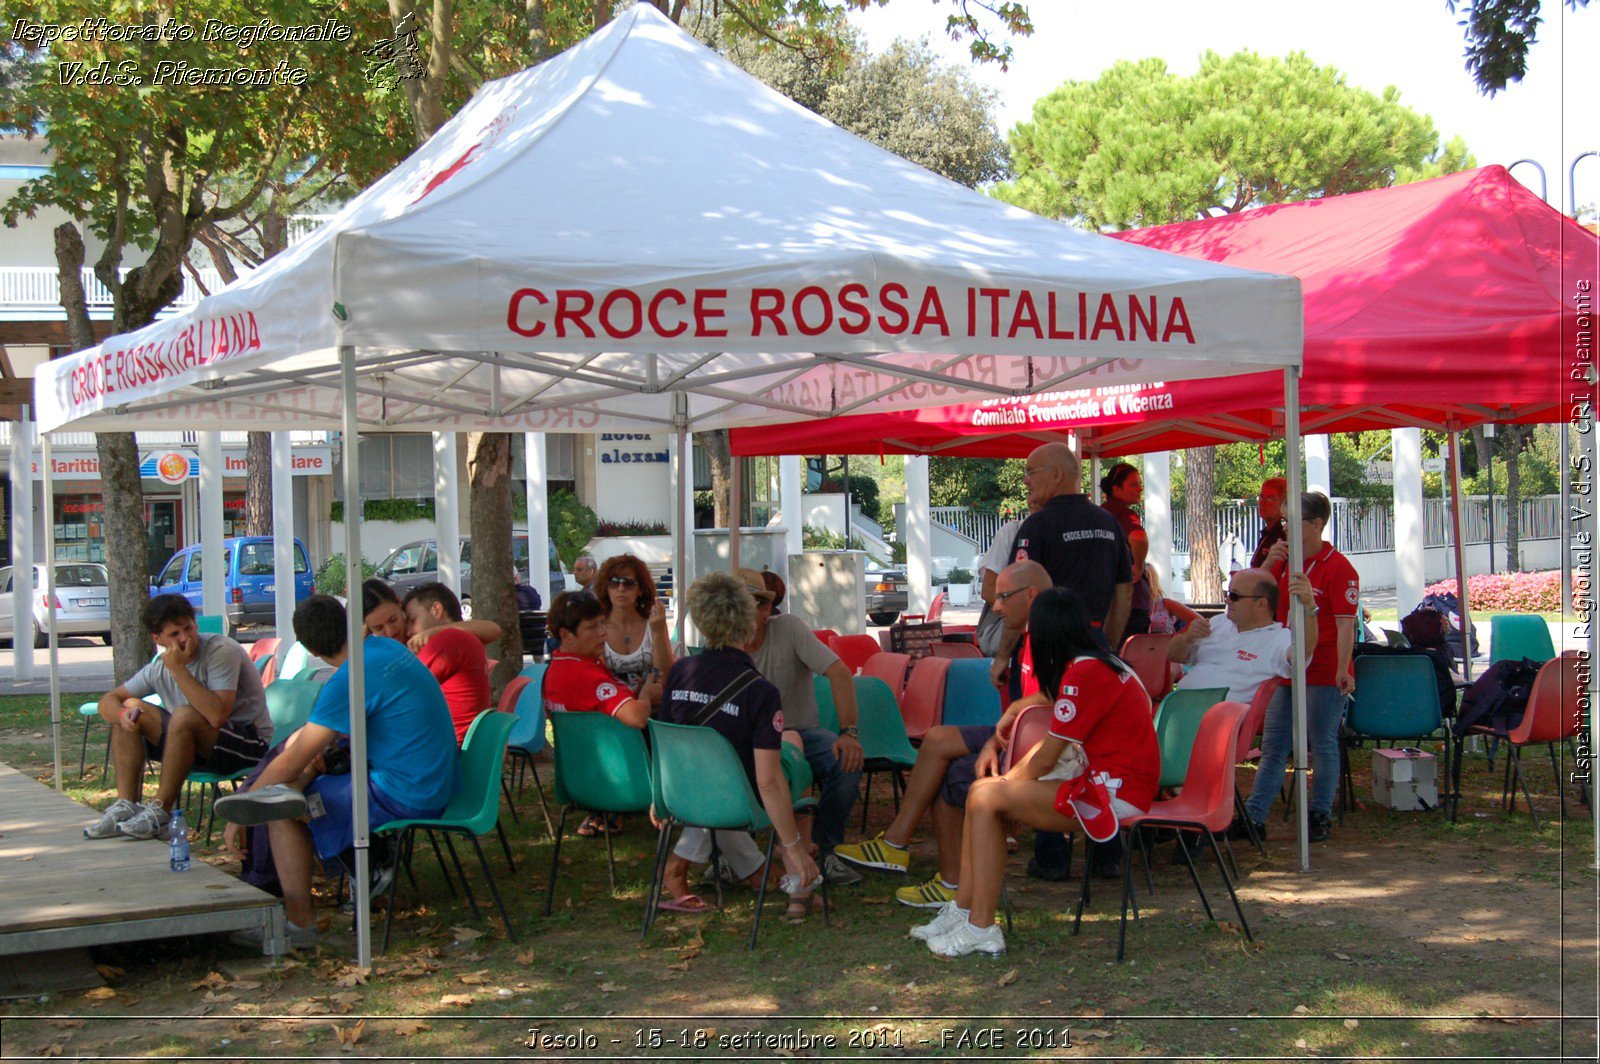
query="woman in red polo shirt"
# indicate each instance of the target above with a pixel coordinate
(1099, 763)
(578, 680)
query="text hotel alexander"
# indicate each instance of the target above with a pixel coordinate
(130, 72)
(1581, 375)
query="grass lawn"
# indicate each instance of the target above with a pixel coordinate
(1411, 937)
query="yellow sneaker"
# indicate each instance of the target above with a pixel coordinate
(930, 895)
(877, 854)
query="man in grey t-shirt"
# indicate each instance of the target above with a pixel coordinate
(788, 654)
(211, 715)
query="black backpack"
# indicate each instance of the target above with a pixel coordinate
(1441, 669)
(1447, 603)
(1498, 698)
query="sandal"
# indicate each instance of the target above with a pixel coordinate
(799, 908)
(594, 826)
(687, 903)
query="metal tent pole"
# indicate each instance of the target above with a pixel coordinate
(447, 510)
(1460, 552)
(283, 589)
(214, 592)
(1297, 620)
(355, 632)
(735, 483)
(50, 603)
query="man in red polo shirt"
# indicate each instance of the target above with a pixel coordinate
(456, 659)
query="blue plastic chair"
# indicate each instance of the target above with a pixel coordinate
(1396, 698)
(970, 697)
(526, 700)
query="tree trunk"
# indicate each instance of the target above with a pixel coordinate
(124, 521)
(1516, 437)
(1205, 573)
(493, 595)
(719, 451)
(258, 485)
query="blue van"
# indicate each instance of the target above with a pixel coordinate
(248, 588)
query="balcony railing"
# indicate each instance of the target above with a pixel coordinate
(36, 291)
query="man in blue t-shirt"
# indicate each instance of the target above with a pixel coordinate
(411, 752)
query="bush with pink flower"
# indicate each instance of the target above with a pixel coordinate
(1509, 592)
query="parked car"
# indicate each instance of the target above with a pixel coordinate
(83, 603)
(417, 563)
(249, 590)
(886, 595)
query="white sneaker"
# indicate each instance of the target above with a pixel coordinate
(277, 802)
(150, 822)
(950, 914)
(116, 813)
(964, 939)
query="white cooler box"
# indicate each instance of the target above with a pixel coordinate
(1406, 779)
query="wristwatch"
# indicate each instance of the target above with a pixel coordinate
(851, 731)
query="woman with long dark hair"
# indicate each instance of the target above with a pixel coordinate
(1100, 762)
(637, 646)
(1121, 489)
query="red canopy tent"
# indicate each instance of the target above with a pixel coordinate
(1440, 304)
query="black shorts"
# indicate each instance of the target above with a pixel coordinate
(960, 773)
(238, 746)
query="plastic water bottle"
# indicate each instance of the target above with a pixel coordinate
(178, 848)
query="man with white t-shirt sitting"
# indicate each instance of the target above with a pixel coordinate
(1247, 646)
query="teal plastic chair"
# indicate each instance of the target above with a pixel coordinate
(970, 697)
(827, 711)
(1396, 698)
(524, 697)
(697, 780)
(1177, 723)
(211, 624)
(289, 705)
(1514, 636)
(474, 811)
(601, 767)
(884, 745)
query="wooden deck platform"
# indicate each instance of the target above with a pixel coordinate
(61, 890)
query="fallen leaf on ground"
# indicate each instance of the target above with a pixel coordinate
(352, 976)
(109, 971)
(30, 857)
(1093, 1033)
(349, 1036)
(214, 981)
(64, 1024)
(410, 1027)
(309, 1007)
(1341, 956)
(1301, 1043)
(681, 966)
(100, 993)
(524, 958)
(345, 1002)
(462, 1000)
(1324, 923)
(1351, 1025)
(610, 988)
(1007, 979)
(247, 1008)
(245, 984)
(466, 934)
(55, 1049)
(477, 978)
(1301, 1010)
(214, 998)
(874, 901)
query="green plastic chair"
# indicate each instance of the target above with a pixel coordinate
(1514, 636)
(884, 745)
(827, 711)
(1177, 723)
(697, 780)
(601, 767)
(474, 811)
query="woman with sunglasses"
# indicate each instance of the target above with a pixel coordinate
(1099, 763)
(637, 642)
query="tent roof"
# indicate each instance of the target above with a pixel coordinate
(638, 216)
(1446, 302)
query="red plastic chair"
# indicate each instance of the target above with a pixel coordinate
(922, 704)
(1204, 806)
(1248, 750)
(826, 635)
(1032, 725)
(891, 669)
(1147, 656)
(1552, 716)
(955, 650)
(854, 650)
(935, 611)
(262, 647)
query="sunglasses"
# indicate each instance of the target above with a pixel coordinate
(624, 581)
(1234, 596)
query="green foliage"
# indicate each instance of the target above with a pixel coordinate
(904, 100)
(572, 525)
(1141, 146)
(1499, 34)
(632, 528)
(814, 538)
(897, 552)
(863, 492)
(958, 575)
(981, 483)
(387, 510)
(330, 579)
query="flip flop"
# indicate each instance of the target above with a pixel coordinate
(688, 903)
(595, 826)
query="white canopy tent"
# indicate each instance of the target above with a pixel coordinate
(636, 235)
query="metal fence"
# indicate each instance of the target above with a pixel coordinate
(977, 525)
(1366, 527)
